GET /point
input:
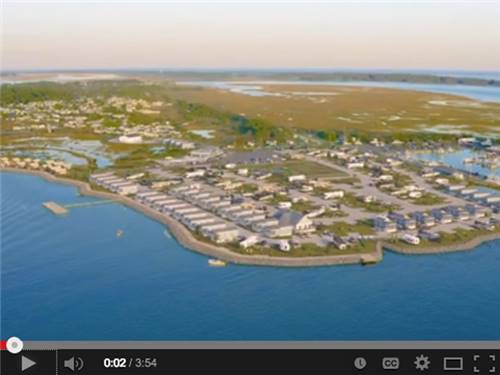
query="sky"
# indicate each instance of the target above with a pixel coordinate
(202, 34)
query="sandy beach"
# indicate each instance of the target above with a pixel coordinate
(184, 236)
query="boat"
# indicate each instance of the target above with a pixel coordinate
(119, 233)
(216, 263)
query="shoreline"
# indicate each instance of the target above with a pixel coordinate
(182, 235)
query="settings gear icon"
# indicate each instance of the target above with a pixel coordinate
(422, 362)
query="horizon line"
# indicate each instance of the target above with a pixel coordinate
(244, 69)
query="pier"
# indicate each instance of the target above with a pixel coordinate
(59, 209)
(55, 208)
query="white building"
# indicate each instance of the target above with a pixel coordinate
(130, 139)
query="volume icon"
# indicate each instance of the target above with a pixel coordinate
(74, 363)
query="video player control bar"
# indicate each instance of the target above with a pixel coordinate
(144, 362)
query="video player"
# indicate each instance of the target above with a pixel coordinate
(251, 186)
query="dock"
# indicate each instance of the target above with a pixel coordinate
(55, 208)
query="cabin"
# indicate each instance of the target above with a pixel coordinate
(384, 224)
(423, 219)
(441, 216)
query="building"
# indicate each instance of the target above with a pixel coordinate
(476, 211)
(130, 139)
(300, 223)
(333, 194)
(177, 143)
(423, 219)
(441, 216)
(384, 224)
(402, 221)
(127, 189)
(458, 213)
(249, 241)
(224, 235)
(297, 178)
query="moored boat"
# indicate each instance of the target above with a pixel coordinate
(216, 263)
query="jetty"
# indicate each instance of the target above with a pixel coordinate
(55, 208)
(59, 209)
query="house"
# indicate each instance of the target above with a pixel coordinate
(130, 139)
(249, 241)
(428, 235)
(476, 211)
(142, 195)
(493, 199)
(183, 145)
(127, 189)
(215, 206)
(97, 178)
(285, 204)
(355, 164)
(318, 212)
(458, 213)
(385, 178)
(224, 235)
(402, 221)
(206, 229)
(263, 176)
(170, 207)
(195, 216)
(339, 243)
(384, 224)
(369, 199)
(424, 219)
(480, 196)
(250, 219)
(484, 224)
(442, 181)
(297, 178)
(467, 192)
(196, 173)
(333, 194)
(278, 230)
(151, 199)
(456, 188)
(300, 223)
(441, 216)
(415, 194)
(195, 223)
(261, 225)
(158, 204)
(180, 212)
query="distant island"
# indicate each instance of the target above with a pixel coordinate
(286, 75)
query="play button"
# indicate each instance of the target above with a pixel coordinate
(26, 363)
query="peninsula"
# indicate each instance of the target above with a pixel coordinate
(238, 182)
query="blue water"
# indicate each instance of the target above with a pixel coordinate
(481, 93)
(455, 159)
(72, 278)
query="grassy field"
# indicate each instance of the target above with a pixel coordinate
(344, 229)
(297, 167)
(379, 110)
